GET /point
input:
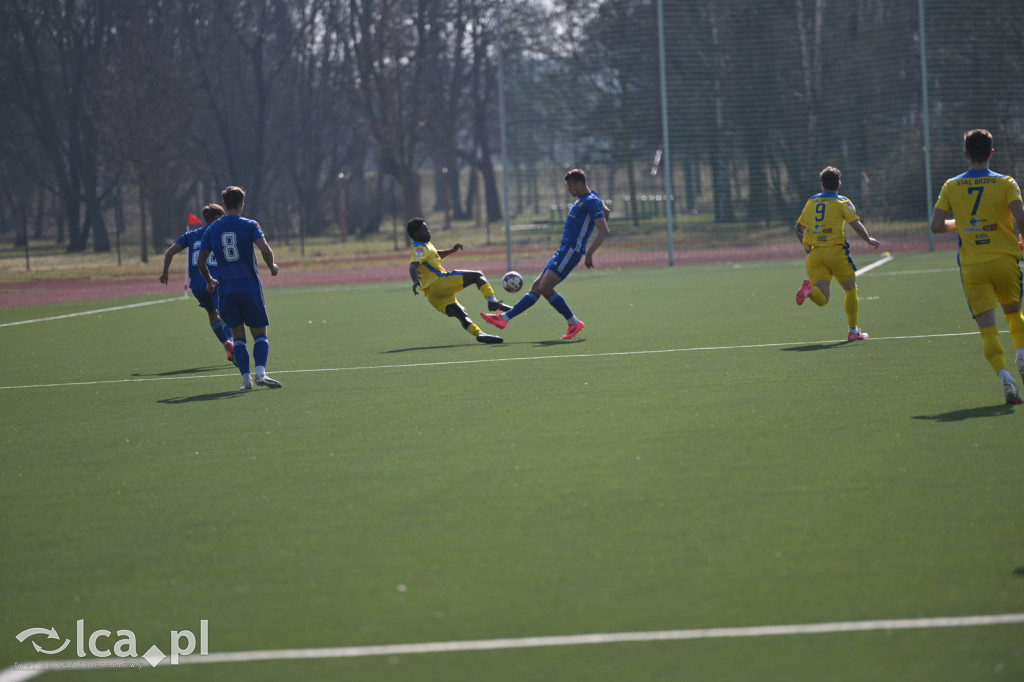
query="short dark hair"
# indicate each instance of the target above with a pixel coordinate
(831, 177)
(978, 145)
(576, 174)
(414, 225)
(233, 197)
(211, 212)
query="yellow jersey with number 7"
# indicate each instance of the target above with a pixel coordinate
(980, 203)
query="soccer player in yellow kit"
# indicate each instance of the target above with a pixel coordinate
(440, 285)
(820, 230)
(984, 205)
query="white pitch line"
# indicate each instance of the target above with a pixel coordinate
(90, 312)
(871, 266)
(487, 360)
(23, 671)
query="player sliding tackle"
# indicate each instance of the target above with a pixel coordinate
(440, 285)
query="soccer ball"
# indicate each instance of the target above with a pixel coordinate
(512, 281)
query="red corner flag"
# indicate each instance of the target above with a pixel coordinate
(193, 220)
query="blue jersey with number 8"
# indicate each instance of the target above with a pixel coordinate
(230, 240)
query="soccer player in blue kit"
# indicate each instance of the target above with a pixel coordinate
(585, 215)
(230, 242)
(190, 242)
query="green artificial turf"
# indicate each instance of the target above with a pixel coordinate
(705, 455)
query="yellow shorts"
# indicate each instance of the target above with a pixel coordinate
(441, 293)
(986, 284)
(826, 263)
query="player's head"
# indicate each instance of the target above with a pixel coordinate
(978, 145)
(576, 182)
(233, 198)
(831, 177)
(418, 230)
(211, 212)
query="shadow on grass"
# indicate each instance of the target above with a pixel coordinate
(1019, 571)
(969, 413)
(201, 398)
(179, 372)
(558, 342)
(818, 346)
(416, 348)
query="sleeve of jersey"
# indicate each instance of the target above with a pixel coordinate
(206, 244)
(1012, 192)
(849, 211)
(182, 241)
(801, 220)
(942, 203)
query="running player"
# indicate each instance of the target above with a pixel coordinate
(984, 205)
(586, 214)
(229, 242)
(440, 285)
(820, 230)
(190, 242)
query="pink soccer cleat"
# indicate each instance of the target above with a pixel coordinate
(857, 335)
(229, 346)
(497, 320)
(803, 292)
(573, 330)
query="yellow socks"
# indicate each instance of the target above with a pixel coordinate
(993, 349)
(487, 290)
(852, 306)
(474, 329)
(817, 297)
(1016, 321)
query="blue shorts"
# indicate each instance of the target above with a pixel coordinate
(244, 307)
(564, 260)
(207, 301)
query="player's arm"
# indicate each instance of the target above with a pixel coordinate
(268, 255)
(211, 283)
(448, 252)
(414, 275)
(168, 255)
(602, 232)
(1017, 210)
(800, 230)
(939, 223)
(862, 232)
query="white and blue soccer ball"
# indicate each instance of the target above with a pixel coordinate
(512, 281)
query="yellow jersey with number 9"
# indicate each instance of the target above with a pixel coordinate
(980, 203)
(824, 216)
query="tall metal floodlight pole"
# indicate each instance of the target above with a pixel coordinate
(504, 136)
(925, 118)
(664, 130)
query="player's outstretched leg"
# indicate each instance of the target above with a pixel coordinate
(458, 312)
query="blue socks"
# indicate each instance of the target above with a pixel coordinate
(242, 356)
(260, 353)
(559, 304)
(222, 331)
(528, 299)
